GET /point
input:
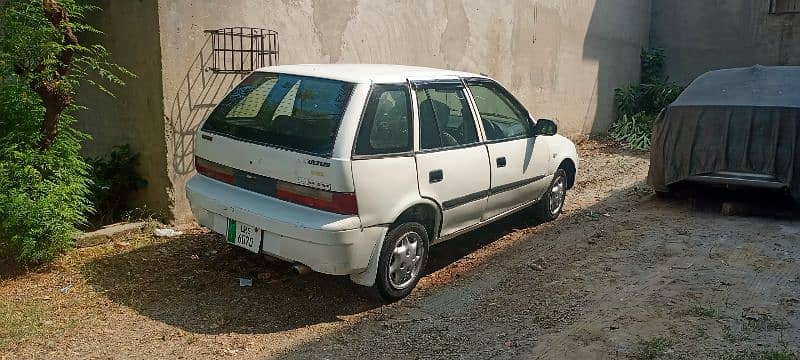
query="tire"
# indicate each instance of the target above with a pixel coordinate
(392, 285)
(552, 202)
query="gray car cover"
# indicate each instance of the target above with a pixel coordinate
(744, 119)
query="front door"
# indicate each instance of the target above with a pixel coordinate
(452, 163)
(519, 161)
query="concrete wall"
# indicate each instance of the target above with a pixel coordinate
(700, 36)
(562, 58)
(135, 116)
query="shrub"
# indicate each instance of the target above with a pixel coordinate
(44, 183)
(634, 131)
(639, 105)
(114, 179)
(43, 195)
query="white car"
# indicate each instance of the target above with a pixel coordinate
(357, 169)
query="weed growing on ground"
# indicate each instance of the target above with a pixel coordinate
(703, 311)
(762, 355)
(653, 348)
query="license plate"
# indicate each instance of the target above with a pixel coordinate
(244, 235)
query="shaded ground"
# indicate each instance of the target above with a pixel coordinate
(622, 274)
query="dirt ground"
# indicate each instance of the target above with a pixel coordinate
(622, 274)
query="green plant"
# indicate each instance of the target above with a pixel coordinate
(114, 179)
(43, 195)
(633, 131)
(652, 348)
(703, 311)
(44, 183)
(652, 66)
(762, 355)
(639, 105)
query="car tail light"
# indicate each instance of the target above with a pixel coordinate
(340, 203)
(213, 170)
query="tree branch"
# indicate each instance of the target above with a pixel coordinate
(55, 99)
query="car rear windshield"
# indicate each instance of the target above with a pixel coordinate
(287, 111)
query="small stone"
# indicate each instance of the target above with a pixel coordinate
(265, 276)
(791, 300)
(122, 244)
(535, 266)
(734, 208)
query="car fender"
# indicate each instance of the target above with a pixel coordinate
(562, 149)
(367, 277)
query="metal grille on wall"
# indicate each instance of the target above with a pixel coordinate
(239, 50)
(784, 7)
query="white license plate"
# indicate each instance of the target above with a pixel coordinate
(244, 235)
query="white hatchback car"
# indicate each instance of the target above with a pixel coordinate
(357, 169)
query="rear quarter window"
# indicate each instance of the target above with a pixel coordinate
(386, 123)
(288, 111)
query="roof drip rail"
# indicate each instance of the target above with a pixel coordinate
(240, 50)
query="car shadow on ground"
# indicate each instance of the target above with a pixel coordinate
(448, 252)
(735, 201)
(192, 282)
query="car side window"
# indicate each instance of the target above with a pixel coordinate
(502, 118)
(445, 117)
(386, 124)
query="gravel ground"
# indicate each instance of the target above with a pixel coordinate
(622, 274)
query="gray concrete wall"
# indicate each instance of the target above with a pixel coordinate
(135, 115)
(700, 36)
(562, 58)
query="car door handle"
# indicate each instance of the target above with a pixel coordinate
(435, 176)
(501, 161)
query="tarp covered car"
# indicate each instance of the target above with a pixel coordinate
(735, 127)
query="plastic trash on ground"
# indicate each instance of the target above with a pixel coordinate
(167, 232)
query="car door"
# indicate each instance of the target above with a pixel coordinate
(452, 162)
(519, 160)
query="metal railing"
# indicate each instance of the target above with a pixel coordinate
(243, 49)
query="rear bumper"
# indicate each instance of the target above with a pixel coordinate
(326, 242)
(738, 179)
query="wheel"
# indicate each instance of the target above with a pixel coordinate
(552, 202)
(404, 254)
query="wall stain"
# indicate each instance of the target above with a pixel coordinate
(330, 22)
(536, 57)
(455, 38)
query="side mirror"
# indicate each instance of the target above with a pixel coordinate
(545, 127)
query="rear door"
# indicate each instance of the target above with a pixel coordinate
(452, 162)
(519, 161)
(277, 128)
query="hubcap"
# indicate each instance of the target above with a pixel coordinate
(406, 260)
(557, 195)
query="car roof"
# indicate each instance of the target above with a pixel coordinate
(765, 86)
(367, 73)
